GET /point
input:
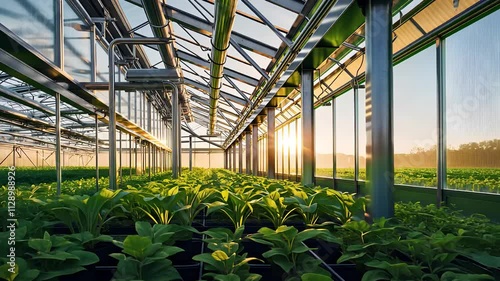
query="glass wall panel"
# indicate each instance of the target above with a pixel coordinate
(34, 21)
(102, 69)
(472, 106)
(279, 149)
(77, 34)
(323, 137)
(362, 133)
(415, 119)
(299, 145)
(293, 150)
(344, 135)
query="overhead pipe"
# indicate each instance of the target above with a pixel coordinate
(225, 12)
(160, 28)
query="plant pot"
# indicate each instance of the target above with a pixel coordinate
(191, 248)
(59, 228)
(104, 273)
(189, 272)
(269, 272)
(328, 252)
(254, 249)
(348, 271)
(88, 274)
(103, 250)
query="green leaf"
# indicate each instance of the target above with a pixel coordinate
(229, 277)
(452, 276)
(86, 258)
(350, 256)
(41, 245)
(315, 277)
(283, 262)
(375, 275)
(136, 246)
(483, 258)
(60, 272)
(220, 255)
(144, 228)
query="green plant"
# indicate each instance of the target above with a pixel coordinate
(143, 259)
(162, 208)
(55, 256)
(275, 208)
(86, 213)
(288, 250)
(239, 204)
(195, 199)
(225, 262)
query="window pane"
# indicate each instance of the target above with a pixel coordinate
(472, 106)
(76, 45)
(323, 137)
(362, 133)
(34, 21)
(344, 134)
(415, 119)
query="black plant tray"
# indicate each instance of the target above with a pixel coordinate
(348, 272)
(189, 272)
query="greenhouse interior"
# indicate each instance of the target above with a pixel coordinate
(226, 140)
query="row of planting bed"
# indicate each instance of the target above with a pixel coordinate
(218, 225)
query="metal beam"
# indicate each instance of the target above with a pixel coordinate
(255, 149)
(204, 27)
(227, 71)
(379, 119)
(11, 95)
(271, 143)
(291, 5)
(307, 117)
(204, 88)
(240, 155)
(58, 144)
(248, 153)
(441, 120)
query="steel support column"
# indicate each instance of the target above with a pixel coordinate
(307, 114)
(234, 156)
(271, 143)
(441, 122)
(190, 152)
(58, 143)
(240, 155)
(112, 100)
(96, 153)
(379, 109)
(255, 149)
(248, 153)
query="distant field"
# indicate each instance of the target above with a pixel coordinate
(473, 179)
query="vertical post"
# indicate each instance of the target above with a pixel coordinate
(234, 156)
(96, 153)
(240, 154)
(175, 143)
(441, 113)
(296, 150)
(112, 119)
(14, 155)
(130, 156)
(225, 158)
(307, 113)
(149, 160)
(190, 152)
(255, 149)
(58, 143)
(120, 169)
(380, 146)
(271, 143)
(59, 36)
(248, 157)
(135, 156)
(356, 137)
(334, 143)
(289, 148)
